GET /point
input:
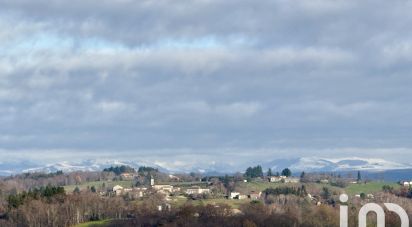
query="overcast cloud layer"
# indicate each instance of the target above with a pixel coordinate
(245, 79)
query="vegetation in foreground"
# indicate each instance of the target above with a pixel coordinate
(250, 199)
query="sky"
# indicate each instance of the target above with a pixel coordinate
(178, 82)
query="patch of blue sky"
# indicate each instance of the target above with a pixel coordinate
(208, 42)
(56, 43)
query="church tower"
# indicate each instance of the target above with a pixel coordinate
(151, 181)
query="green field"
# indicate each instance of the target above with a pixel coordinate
(261, 186)
(94, 224)
(370, 187)
(351, 189)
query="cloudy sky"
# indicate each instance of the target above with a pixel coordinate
(175, 81)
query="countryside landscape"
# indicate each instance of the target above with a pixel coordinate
(205, 113)
(124, 196)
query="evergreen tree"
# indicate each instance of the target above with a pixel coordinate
(120, 169)
(254, 172)
(286, 172)
(259, 171)
(269, 172)
(359, 176)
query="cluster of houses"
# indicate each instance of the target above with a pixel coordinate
(252, 195)
(283, 179)
(166, 189)
(257, 195)
(133, 192)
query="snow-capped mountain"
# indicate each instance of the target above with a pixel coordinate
(88, 165)
(307, 164)
(66, 166)
(313, 164)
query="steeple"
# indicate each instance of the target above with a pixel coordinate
(152, 183)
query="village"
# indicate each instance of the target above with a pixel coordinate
(124, 194)
(174, 190)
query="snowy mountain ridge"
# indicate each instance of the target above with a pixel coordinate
(308, 164)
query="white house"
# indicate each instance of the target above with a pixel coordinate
(197, 190)
(406, 183)
(283, 179)
(276, 178)
(163, 188)
(117, 189)
(234, 195)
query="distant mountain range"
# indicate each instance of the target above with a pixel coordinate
(313, 164)
(66, 166)
(307, 164)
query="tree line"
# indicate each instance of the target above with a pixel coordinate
(256, 171)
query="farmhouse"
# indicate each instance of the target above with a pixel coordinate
(283, 179)
(276, 178)
(163, 188)
(234, 195)
(117, 189)
(134, 192)
(197, 190)
(237, 195)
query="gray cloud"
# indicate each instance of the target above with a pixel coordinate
(166, 76)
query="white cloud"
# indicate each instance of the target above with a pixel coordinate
(345, 110)
(239, 109)
(113, 106)
(135, 75)
(313, 56)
